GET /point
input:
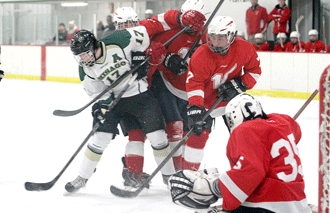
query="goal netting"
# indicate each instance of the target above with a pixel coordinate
(324, 139)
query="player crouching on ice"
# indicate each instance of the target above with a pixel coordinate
(266, 174)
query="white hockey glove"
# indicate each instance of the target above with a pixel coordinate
(194, 189)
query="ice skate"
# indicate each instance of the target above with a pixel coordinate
(166, 178)
(133, 180)
(76, 184)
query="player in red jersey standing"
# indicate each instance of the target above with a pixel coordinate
(315, 45)
(253, 18)
(295, 45)
(225, 66)
(266, 174)
(260, 44)
(281, 15)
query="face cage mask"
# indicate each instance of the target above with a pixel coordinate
(85, 58)
(127, 24)
(221, 50)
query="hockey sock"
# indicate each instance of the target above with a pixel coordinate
(194, 151)
(174, 132)
(134, 153)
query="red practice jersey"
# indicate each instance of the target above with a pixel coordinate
(262, 47)
(278, 48)
(266, 169)
(208, 70)
(161, 22)
(290, 47)
(281, 18)
(317, 47)
(175, 84)
(253, 18)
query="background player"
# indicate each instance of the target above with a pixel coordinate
(226, 66)
(266, 174)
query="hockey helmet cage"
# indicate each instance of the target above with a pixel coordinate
(242, 108)
(222, 25)
(126, 17)
(84, 41)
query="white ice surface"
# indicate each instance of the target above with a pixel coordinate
(35, 146)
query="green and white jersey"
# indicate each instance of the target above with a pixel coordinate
(116, 58)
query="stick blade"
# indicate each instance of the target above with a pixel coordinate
(64, 113)
(123, 193)
(29, 186)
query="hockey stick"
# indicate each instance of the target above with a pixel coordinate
(305, 104)
(189, 53)
(131, 194)
(297, 28)
(65, 113)
(46, 186)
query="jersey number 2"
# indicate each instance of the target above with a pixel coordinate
(289, 160)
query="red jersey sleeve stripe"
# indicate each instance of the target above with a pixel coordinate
(233, 188)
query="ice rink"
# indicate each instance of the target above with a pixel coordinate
(35, 146)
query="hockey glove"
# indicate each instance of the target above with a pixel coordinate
(157, 52)
(138, 58)
(194, 189)
(2, 74)
(174, 63)
(229, 90)
(195, 119)
(193, 18)
(100, 109)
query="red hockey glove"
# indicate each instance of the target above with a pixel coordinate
(157, 52)
(194, 18)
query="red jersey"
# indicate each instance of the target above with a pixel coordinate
(266, 169)
(262, 47)
(176, 84)
(290, 47)
(253, 18)
(328, 48)
(317, 47)
(161, 22)
(281, 16)
(208, 70)
(278, 48)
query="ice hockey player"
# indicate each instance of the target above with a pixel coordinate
(260, 44)
(315, 45)
(174, 108)
(102, 63)
(295, 45)
(281, 46)
(225, 66)
(266, 174)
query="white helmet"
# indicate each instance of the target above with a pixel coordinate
(221, 25)
(281, 35)
(294, 34)
(259, 35)
(242, 108)
(193, 5)
(126, 17)
(313, 32)
(149, 11)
